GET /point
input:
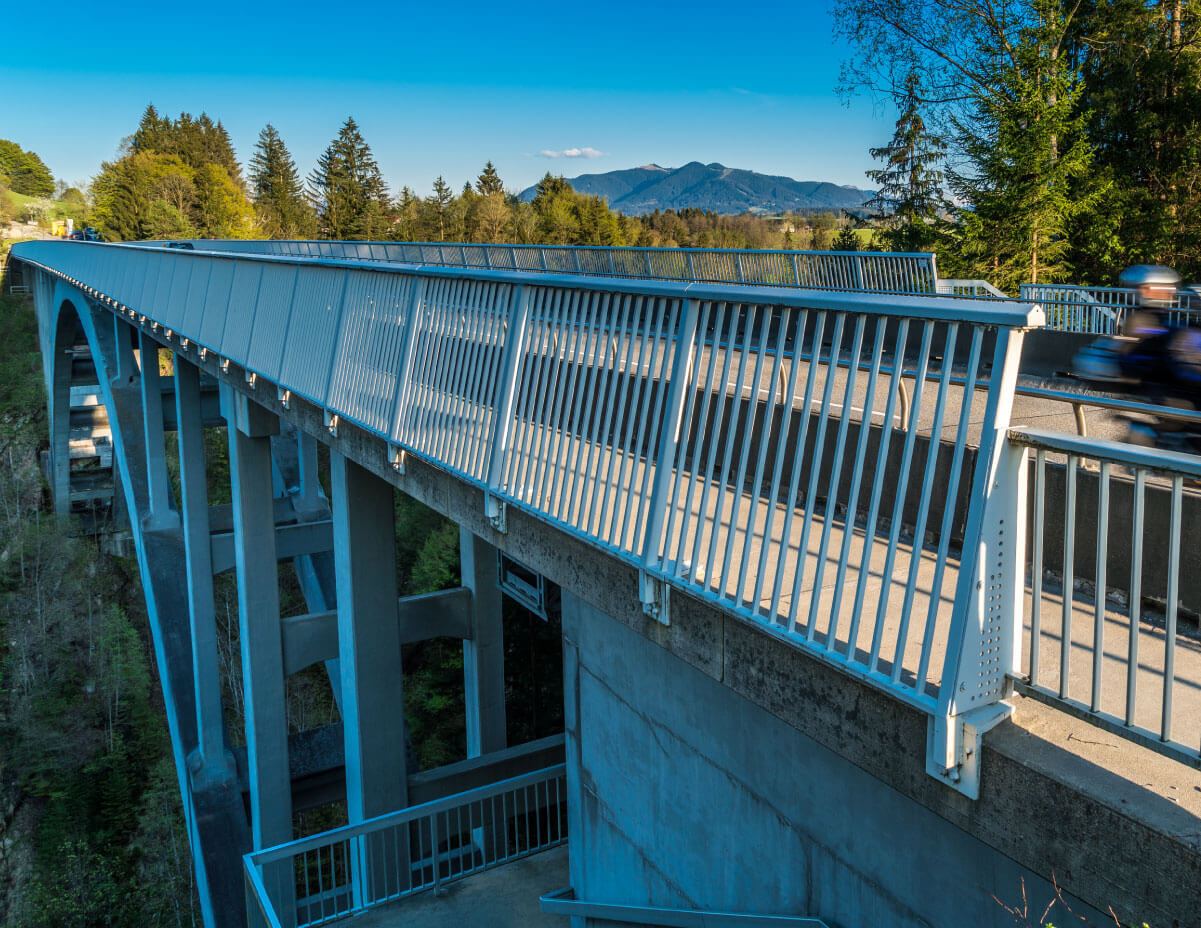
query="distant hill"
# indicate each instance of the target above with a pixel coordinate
(715, 187)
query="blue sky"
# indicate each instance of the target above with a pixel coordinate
(439, 88)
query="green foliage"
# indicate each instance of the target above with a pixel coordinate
(1029, 156)
(180, 179)
(24, 171)
(81, 730)
(846, 240)
(909, 198)
(348, 190)
(279, 201)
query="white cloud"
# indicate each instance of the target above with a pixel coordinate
(573, 153)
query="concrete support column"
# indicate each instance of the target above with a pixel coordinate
(308, 500)
(125, 369)
(369, 659)
(484, 651)
(211, 766)
(250, 428)
(368, 640)
(160, 516)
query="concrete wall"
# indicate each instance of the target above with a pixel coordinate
(688, 795)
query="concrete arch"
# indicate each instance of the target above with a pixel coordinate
(72, 314)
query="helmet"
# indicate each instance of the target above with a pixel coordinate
(1156, 284)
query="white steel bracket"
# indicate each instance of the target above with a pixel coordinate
(397, 457)
(953, 746)
(655, 596)
(496, 510)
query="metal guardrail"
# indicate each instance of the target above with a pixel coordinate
(1097, 310)
(354, 868)
(822, 270)
(1121, 628)
(952, 286)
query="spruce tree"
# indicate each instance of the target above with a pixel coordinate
(347, 188)
(910, 194)
(489, 182)
(1029, 154)
(279, 201)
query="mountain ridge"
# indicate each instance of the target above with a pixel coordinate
(714, 187)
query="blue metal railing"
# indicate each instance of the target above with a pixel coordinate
(823, 270)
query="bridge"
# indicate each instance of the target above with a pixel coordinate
(843, 641)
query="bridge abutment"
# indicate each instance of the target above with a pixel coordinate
(688, 795)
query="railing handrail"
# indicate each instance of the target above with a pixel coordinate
(1008, 313)
(1159, 459)
(632, 249)
(412, 813)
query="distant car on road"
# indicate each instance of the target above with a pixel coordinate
(85, 235)
(186, 245)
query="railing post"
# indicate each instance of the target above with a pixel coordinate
(986, 623)
(858, 261)
(502, 422)
(405, 372)
(652, 591)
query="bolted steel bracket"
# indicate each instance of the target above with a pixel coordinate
(655, 597)
(331, 420)
(397, 456)
(495, 509)
(953, 746)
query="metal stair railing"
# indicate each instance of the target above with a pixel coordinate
(349, 870)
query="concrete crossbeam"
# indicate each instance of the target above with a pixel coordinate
(313, 637)
(294, 540)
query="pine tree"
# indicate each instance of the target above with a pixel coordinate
(279, 201)
(152, 132)
(347, 188)
(910, 185)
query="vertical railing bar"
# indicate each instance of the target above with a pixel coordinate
(466, 349)
(434, 342)
(547, 378)
(702, 432)
(785, 402)
(1036, 579)
(1099, 605)
(815, 467)
(629, 452)
(865, 428)
(472, 411)
(448, 366)
(720, 396)
(944, 537)
(594, 370)
(1136, 591)
(606, 424)
(668, 325)
(811, 375)
(568, 394)
(631, 356)
(498, 430)
(1069, 566)
(771, 406)
(727, 453)
(927, 488)
(1173, 604)
(740, 479)
(515, 462)
(683, 433)
(548, 478)
(869, 534)
(886, 581)
(840, 444)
